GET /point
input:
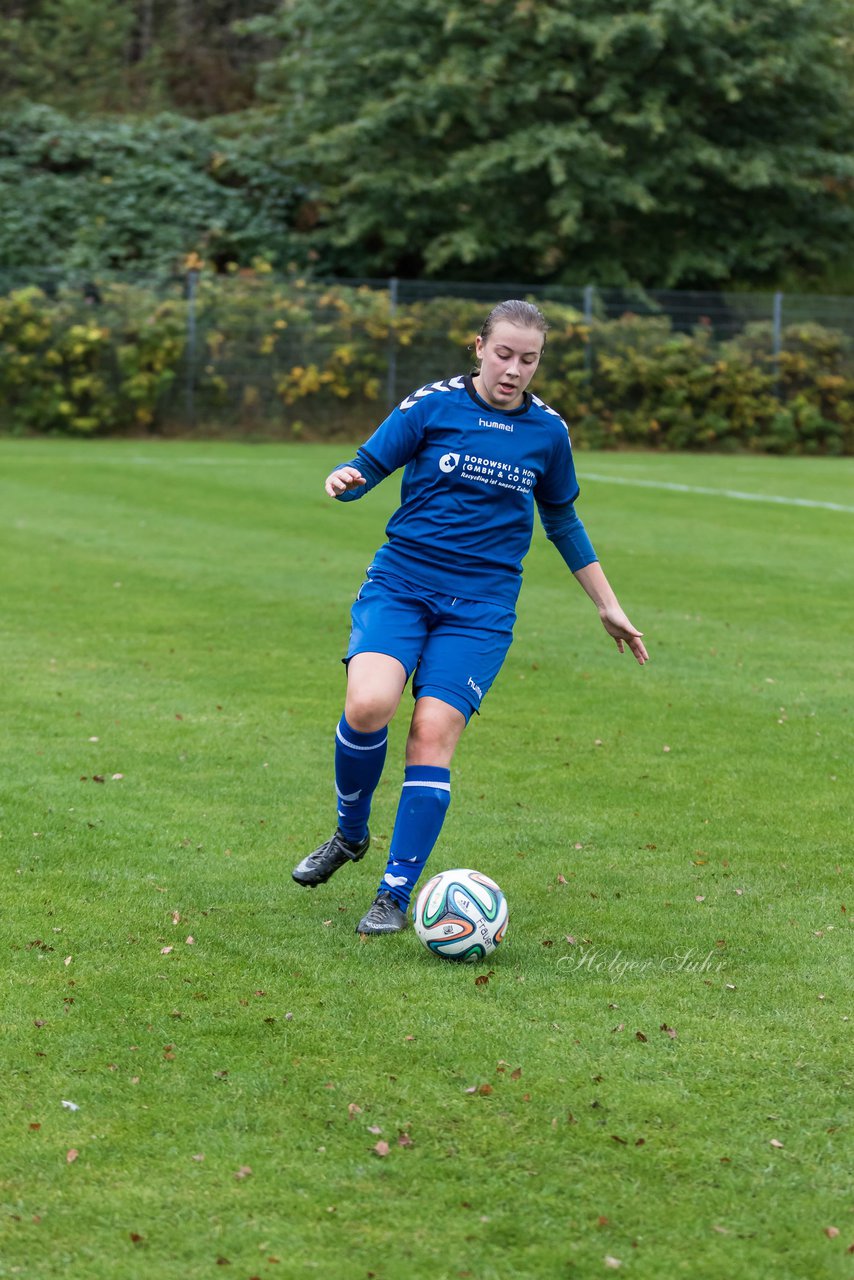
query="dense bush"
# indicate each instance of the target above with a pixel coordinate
(83, 368)
(129, 194)
(252, 353)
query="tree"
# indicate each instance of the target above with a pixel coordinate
(91, 194)
(653, 141)
(116, 56)
(70, 51)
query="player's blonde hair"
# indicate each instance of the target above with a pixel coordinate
(523, 314)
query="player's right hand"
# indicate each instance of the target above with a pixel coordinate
(342, 479)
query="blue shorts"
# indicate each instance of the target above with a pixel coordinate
(454, 647)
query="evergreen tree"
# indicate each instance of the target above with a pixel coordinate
(651, 141)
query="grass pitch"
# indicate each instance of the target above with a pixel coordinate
(207, 1073)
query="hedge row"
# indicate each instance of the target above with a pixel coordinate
(254, 355)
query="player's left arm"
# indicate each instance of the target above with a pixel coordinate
(565, 529)
(592, 579)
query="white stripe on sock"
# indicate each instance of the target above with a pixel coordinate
(355, 747)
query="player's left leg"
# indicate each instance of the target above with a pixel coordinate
(462, 657)
(434, 732)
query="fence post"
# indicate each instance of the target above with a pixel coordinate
(588, 320)
(391, 380)
(777, 340)
(190, 388)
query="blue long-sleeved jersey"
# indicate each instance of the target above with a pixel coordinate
(472, 474)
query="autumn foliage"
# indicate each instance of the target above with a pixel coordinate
(254, 353)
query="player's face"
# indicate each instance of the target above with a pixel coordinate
(508, 361)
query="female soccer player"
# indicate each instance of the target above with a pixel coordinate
(438, 603)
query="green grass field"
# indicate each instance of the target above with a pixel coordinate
(656, 1077)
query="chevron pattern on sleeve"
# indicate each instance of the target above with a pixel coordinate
(448, 384)
(546, 408)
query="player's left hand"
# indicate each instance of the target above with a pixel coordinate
(618, 626)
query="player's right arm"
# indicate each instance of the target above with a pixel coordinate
(342, 480)
(392, 445)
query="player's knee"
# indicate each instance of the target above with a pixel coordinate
(367, 712)
(430, 742)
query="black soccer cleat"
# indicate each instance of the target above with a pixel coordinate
(318, 866)
(383, 916)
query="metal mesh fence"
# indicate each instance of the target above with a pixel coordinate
(265, 352)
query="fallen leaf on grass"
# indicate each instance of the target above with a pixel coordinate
(639, 1035)
(831, 1232)
(381, 1149)
(353, 1110)
(136, 1238)
(611, 1262)
(245, 1171)
(776, 1144)
(669, 1030)
(70, 1106)
(71, 1155)
(164, 951)
(404, 1140)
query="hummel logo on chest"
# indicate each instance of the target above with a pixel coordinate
(493, 422)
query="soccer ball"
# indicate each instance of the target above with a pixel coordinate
(460, 914)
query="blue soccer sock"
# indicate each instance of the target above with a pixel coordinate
(423, 804)
(359, 760)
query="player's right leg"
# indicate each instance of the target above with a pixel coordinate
(375, 683)
(389, 626)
